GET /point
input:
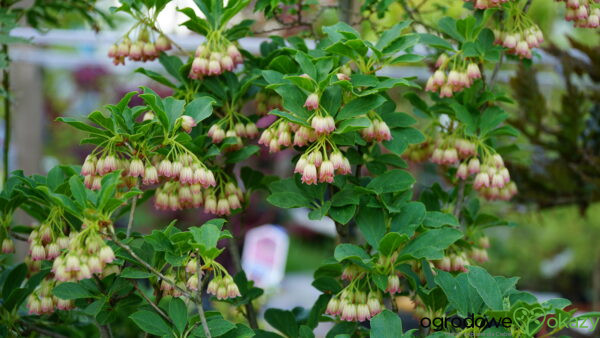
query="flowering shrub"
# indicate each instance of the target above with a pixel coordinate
(335, 109)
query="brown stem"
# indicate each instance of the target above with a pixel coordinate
(131, 214)
(7, 112)
(199, 298)
(41, 330)
(105, 331)
(151, 303)
(460, 198)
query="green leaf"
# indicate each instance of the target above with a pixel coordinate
(457, 293)
(306, 65)
(178, 313)
(486, 287)
(391, 34)
(360, 106)
(14, 279)
(386, 325)
(133, 273)
(435, 41)
(349, 251)
(172, 65)
(151, 322)
(78, 191)
(156, 77)
(392, 181)
(242, 154)
(413, 213)
(200, 108)
(206, 237)
(371, 223)
(342, 214)
(436, 219)
(288, 200)
(69, 290)
(431, 244)
(352, 125)
(490, 119)
(391, 242)
(284, 321)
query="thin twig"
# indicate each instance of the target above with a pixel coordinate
(234, 252)
(41, 330)
(131, 214)
(460, 198)
(128, 249)
(496, 71)
(105, 331)
(199, 297)
(151, 303)
(7, 112)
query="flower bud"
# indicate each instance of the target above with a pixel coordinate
(8, 246)
(309, 175)
(150, 175)
(106, 254)
(163, 43)
(312, 102)
(187, 123)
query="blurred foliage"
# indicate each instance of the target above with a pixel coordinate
(539, 238)
(564, 139)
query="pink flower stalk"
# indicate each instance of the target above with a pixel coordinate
(309, 175)
(312, 102)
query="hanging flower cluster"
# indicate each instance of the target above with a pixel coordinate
(266, 101)
(97, 166)
(144, 48)
(42, 301)
(215, 58)
(485, 4)
(453, 262)
(355, 305)
(48, 240)
(322, 159)
(523, 35)
(222, 285)
(228, 127)
(217, 200)
(86, 254)
(492, 178)
(583, 13)
(8, 245)
(452, 74)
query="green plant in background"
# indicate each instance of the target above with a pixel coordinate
(332, 106)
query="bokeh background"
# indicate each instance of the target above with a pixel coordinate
(553, 244)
